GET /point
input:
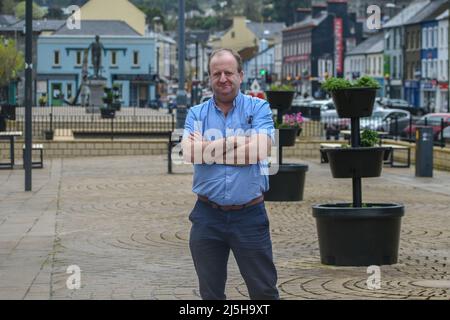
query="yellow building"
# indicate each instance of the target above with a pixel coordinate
(122, 10)
(245, 36)
(237, 37)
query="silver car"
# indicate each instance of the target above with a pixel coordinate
(391, 121)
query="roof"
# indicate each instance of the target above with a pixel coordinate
(309, 21)
(406, 14)
(266, 30)
(443, 15)
(429, 12)
(6, 20)
(38, 25)
(373, 44)
(99, 27)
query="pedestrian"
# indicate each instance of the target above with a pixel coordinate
(229, 182)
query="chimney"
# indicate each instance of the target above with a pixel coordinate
(338, 7)
(301, 14)
(317, 9)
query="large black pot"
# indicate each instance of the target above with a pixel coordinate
(354, 102)
(359, 162)
(358, 236)
(281, 100)
(107, 113)
(287, 136)
(288, 184)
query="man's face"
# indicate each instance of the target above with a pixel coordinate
(225, 78)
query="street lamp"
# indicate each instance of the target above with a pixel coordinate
(28, 93)
(181, 93)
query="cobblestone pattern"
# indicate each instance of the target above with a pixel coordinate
(123, 221)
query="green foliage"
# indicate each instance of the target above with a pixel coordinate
(369, 138)
(283, 87)
(38, 12)
(333, 83)
(366, 82)
(11, 61)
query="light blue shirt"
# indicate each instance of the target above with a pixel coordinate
(226, 184)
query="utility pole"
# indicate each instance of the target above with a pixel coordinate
(181, 93)
(448, 62)
(28, 93)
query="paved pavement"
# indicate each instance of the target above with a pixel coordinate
(123, 221)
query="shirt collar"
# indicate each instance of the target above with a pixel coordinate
(236, 101)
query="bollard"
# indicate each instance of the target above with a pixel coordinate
(424, 152)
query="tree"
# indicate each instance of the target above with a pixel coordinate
(7, 6)
(11, 61)
(152, 12)
(38, 12)
(55, 13)
(285, 10)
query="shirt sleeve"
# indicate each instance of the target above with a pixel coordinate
(189, 124)
(263, 120)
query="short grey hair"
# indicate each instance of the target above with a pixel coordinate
(234, 53)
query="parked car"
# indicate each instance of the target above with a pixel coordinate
(446, 134)
(155, 104)
(391, 121)
(332, 124)
(403, 105)
(433, 120)
(302, 102)
(324, 105)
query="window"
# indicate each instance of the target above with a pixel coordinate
(233, 34)
(113, 58)
(135, 58)
(56, 58)
(78, 59)
(69, 90)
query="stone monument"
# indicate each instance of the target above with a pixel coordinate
(96, 82)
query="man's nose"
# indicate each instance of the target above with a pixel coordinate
(223, 78)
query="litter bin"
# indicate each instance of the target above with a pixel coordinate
(424, 152)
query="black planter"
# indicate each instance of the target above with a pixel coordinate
(288, 184)
(107, 113)
(287, 136)
(355, 162)
(354, 102)
(358, 236)
(49, 135)
(281, 100)
(116, 106)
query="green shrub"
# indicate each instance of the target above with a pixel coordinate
(333, 83)
(284, 87)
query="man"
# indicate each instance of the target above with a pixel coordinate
(228, 139)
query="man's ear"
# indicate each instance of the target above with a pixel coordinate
(241, 76)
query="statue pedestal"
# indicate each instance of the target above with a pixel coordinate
(95, 86)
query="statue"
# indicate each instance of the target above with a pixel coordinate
(96, 54)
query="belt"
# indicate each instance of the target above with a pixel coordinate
(231, 207)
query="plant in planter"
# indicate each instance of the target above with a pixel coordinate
(352, 99)
(280, 97)
(43, 100)
(288, 183)
(357, 234)
(108, 111)
(289, 129)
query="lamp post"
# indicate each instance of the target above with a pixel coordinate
(448, 63)
(181, 93)
(28, 93)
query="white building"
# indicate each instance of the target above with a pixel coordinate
(442, 75)
(367, 59)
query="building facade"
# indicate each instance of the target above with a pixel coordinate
(315, 46)
(128, 60)
(442, 98)
(120, 10)
(394, 48)
(367, 59)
